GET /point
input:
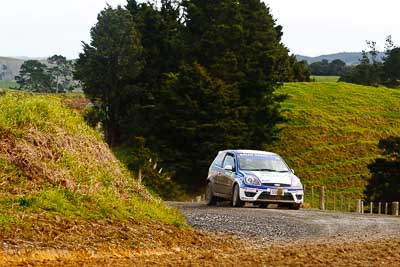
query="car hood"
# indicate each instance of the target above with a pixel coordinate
(273, 177)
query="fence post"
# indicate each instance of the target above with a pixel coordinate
(341, 202)
(348, 205)
(371, 206)
(322, 198)
(334, 201)
(312, 196)
(358, 205)
(379, 208)
(326, 201)
(362, 206)
(395, 208)
(140, 176)
(386, 208)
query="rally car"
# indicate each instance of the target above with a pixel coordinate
(253, 176)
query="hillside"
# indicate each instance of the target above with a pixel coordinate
(350, 58)
(55, 170)
(333, 130)
(9, 68)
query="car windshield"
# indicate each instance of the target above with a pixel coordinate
(260, 162)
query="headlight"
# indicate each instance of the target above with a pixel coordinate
(296, 182)
(251, 180)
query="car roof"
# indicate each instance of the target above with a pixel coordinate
(248, 151)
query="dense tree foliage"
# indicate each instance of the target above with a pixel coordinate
(384, 185)
(325, 68)
(391, 68)
(109, 66)
(34, 76)
(61, 71)
(371, 71)
(51, 76)
(189, 78)
(196, 119)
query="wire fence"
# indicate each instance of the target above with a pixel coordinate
(323, 199)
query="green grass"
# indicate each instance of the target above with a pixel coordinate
(325, 78)
(52, 163)
(333, 132)
(8, 84)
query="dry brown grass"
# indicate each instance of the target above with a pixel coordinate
(53, 163)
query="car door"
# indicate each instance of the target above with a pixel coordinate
(215, 172)
(227, 177)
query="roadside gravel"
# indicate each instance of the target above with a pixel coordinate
(281, 226)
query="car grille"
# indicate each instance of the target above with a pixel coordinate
(267, 196)
(249, 194)
(276, 184)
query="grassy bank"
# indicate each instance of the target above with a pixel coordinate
(333, 130)
(52, 165)
(325, 79)
(8, 84)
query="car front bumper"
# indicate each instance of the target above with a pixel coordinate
(272, 195)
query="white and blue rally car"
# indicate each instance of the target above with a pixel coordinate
(253, 176)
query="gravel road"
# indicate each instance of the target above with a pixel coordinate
(283, 226)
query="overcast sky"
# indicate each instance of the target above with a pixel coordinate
(41, 28)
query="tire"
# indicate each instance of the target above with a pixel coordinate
(295, 206)
(211, 200)
(236, 201)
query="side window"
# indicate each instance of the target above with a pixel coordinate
(229, 160)
(218, 160)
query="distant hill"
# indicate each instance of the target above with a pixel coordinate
(9, 68)
(350, 58)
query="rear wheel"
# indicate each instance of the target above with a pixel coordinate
(211, 200)
(236, 201)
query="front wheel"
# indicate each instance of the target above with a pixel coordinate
(211, 200)
(295, 206)
(236, 201)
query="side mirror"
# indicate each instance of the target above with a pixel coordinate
(292, 171)
(228, 168)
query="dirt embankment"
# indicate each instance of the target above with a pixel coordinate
(283, 238)
(213, 250)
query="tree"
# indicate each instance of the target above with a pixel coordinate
(391, 68)
(301, 70)
(196, 118)
(161, 37)
(109, 66)
(223, 96)
(391, 64)
(368, 72)
(336, 67)
(384, 185)
(320, 68)
(61, 71)
(34, 76)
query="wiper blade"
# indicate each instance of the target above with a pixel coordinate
(266, 170)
